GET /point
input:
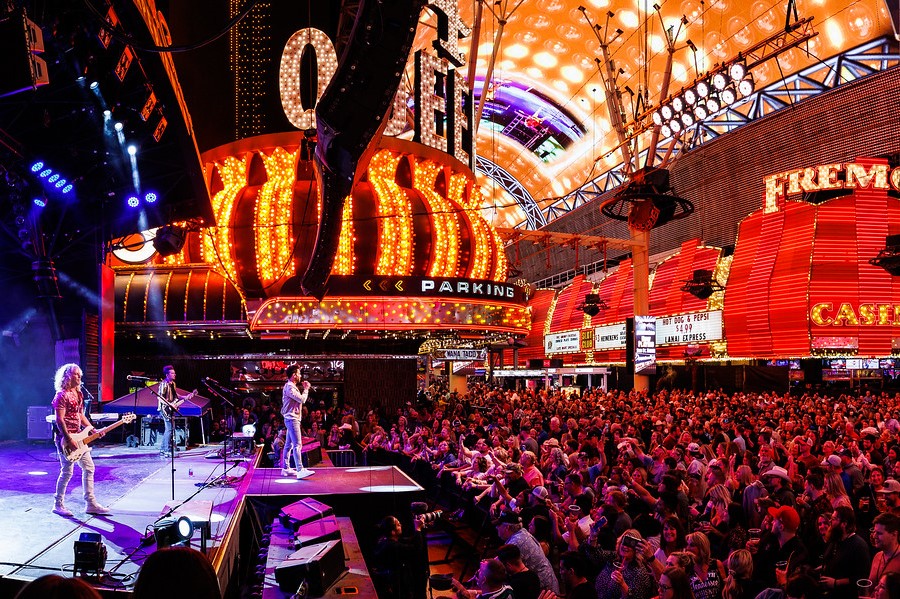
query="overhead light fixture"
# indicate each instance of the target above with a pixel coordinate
(170, 532)
(690, 96)
(665, 131)
(657, 118)
(747, 85)
(592, 304)
(677, 104)
(675, 125)
(687, 118)
(700, 111)
(889, 257)
(150, 197)
(720, 80)
(703, 89)
(713, 104)
(703, 285)
(737, 71)
(133, 201)
(666, 112)
(728, 95)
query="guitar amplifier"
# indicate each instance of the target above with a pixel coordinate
(319, 564)
(152, 428)
(39, 428)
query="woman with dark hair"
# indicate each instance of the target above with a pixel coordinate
(54, 586)
(177, 573)
(888, 587)
(671, 539)
(674, 584)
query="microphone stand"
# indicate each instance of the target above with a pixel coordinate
(227, 433)
(172, 436)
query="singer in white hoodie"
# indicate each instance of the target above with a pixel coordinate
(292, 400)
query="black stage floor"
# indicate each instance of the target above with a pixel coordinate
(138, 486)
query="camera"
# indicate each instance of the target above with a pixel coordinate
(429, 517)
(630, 541)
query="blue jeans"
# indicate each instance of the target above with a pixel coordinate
(165, 444)
(292, 444)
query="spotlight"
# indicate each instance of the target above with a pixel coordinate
(40, 202)
(700, 111)
(666, 112)
(675, 126)
(737, 71)
(889, 257)
(702, 89)
(67, 188)
(713, 104)
(90, 554)
(45, 173)
(132, 150)
(746, 86)
(720, 80)
(95, 85)
(133, 202)
(107, 114)
(666, 132)
(688, 119)
(150, 197)
(677, 104)
(728, 95)
(60, 183)
(169, 240)
(171, 532)
(657, 118)
(53, 178)
(37, 166)
(592, 304)
(690, 96)
(703, 285)
(119, 126)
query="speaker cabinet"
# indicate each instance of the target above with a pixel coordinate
(319, 565)
(303, 512)
(38, 427)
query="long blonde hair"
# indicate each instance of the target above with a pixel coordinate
(62, 380)
(740, 569)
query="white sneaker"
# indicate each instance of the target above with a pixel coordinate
(97, 510)
(288, 472)
(303, 473)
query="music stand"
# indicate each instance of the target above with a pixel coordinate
(228, 432)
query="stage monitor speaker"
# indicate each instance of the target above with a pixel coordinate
(304, 511)
(318, 531)
(319, 565)
(38, 427)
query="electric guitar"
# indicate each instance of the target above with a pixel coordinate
(84, 438)
(169, 407)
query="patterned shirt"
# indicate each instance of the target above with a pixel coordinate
(73, 402)
(534, 559)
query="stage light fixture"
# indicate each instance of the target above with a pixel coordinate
(90, 554)
(150, 197)
(737, 71)
(68, 188)
(666, 112)
(746, 86)
(59, 184)
(133, 202)
(45, 173)
(132, 150)
(700, 111)
(592, 304)
(37, 166)
(690, 96)
(95, 85)
(728, 95)
(720, 80)
(702, 285)
(40, 202)
(675, 125)
(677, 104)
(665, 131)
(173, 532)
(169, 240)
(713, 105)
(702, 89)
(45, 277)
(53, 178)
(688, 119)
(119, 126)
(889, 257)
(657, 118)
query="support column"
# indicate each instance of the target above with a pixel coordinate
(641, 267)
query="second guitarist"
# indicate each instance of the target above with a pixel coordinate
(169, 400)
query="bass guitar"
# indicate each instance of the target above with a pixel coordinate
(84, 438)
(170, 408)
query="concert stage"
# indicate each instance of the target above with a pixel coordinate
(138, 487)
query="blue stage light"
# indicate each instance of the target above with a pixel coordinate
(60, 183)
(53, 178)
(37, 166)
(133, 202)
(45, 173)
(150, 197)
(67, 188)
(40, 202)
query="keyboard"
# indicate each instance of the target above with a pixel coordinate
(98, 417)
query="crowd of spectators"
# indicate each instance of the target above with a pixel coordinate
(672, 494)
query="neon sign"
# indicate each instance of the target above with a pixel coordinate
(825, 314)
(850, 175)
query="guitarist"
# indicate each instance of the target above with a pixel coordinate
(70, 419)
(169, 400)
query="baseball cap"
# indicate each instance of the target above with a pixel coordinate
(832, 460)
(540, 492)
(509, 518)
(846, 452)
(788, 516)
(890, 486)
(693, 448)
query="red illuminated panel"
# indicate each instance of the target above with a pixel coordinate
(875, 284)
(665, 289)
(534, 342)
(566, 316)
(736, 308)
(621, 305)
(758, 322)
(788, 307)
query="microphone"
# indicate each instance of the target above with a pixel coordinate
(88, 391)
(134, 377)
